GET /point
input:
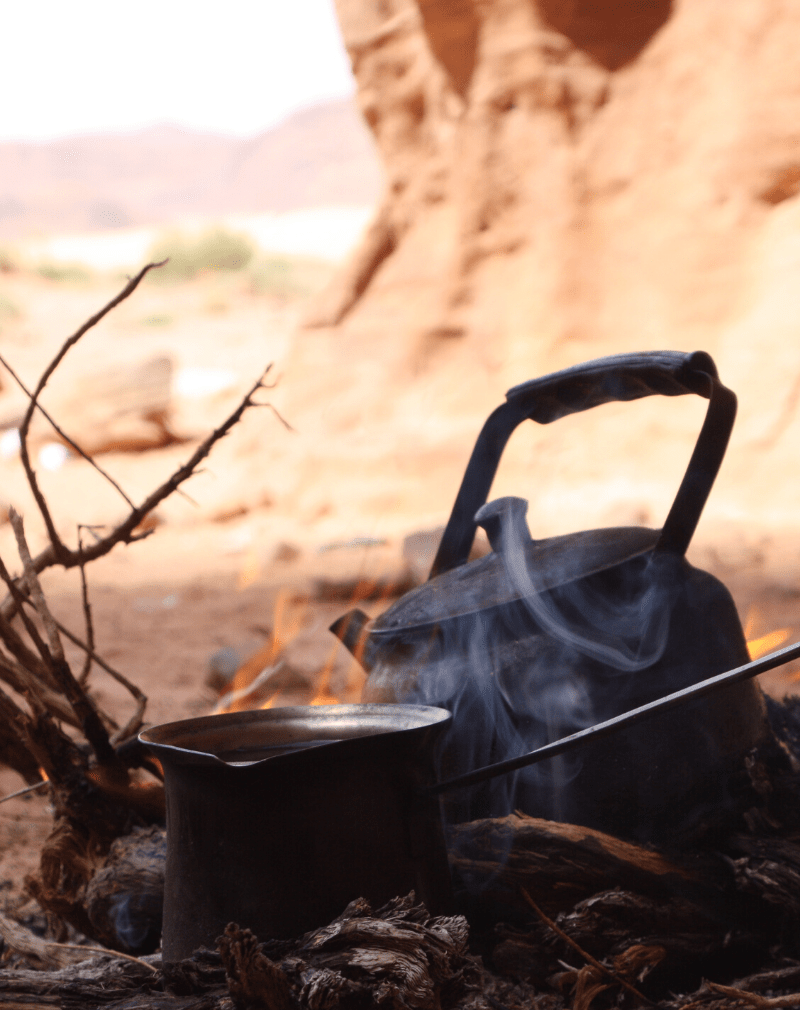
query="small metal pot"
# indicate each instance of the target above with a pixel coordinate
(278, 818)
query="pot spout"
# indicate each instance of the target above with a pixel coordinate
(352, 629)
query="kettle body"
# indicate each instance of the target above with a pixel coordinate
(542, 638)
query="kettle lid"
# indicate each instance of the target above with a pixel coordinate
(483, 584)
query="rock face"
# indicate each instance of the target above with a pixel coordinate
(566, 179)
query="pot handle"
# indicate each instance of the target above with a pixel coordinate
(619, 377)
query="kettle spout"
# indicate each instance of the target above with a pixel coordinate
(351, 628)
(495, 514)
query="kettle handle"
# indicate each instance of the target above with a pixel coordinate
(618, 377)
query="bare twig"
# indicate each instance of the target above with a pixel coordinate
(579, 950)
(27, 789)
(103, 950)
(13, 641)
(62, 434)
(91, 723)
(277, 414)
(135, 722)
(20, 939)
(56, 650)
(755, 999)
(56, 544)
(21, 725)
(38, 694)
(83, 676)
(124, 533)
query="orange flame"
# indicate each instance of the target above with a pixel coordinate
(363, 590)
(324, 695)
(761, 645)
(287, 622)
(758, 647)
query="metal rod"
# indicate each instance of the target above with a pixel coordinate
(27, 789)
(603, 729)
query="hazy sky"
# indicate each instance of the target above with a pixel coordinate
(237, 67)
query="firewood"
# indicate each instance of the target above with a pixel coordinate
(399, 955)
(39, 953)
(124, 899)
(769, 868)
(94, 982)
(560, 864)
(255, 982)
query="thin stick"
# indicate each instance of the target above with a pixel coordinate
(20, 723)
(91, 723)
(755, 999)
(135, 722)
(39, 695)
(139, 695)
(56, 650)
(62, 434)
(56, 544)
(27, 789)
(30, 627)
(102, 950)
(123, 533)
(87, 614)
(579, 950)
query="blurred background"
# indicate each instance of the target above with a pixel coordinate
(407, 206)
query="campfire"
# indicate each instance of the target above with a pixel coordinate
(563, 787)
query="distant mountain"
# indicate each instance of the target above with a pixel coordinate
(320, 156)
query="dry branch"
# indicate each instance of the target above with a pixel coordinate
(82, 705)
(58, 553)
(70, 342)
(592, 961)
(63, 435)
(95, 797)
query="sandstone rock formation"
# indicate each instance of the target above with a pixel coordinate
(565, 179)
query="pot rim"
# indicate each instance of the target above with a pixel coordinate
(300, 728)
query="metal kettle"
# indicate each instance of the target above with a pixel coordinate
(541, 638)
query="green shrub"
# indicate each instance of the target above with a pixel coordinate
(158, 319)
(64, 272)
(223, 250)
(217, 249)
(8, 309)
(287, 277)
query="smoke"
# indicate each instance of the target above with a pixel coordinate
(136, 919)
(626, 630)
(559, 653)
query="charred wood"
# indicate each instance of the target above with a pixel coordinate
(255, 982)
(399, 955)
(103, 981)
(560, 864)
(124, 899)
(101, 875)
